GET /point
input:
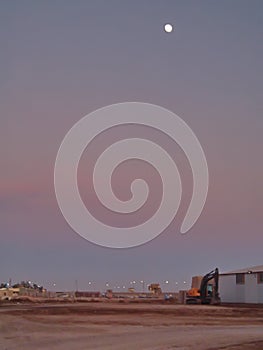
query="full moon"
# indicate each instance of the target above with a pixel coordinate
(168, 28)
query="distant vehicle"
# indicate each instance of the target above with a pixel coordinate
(207, 293)
(168, 297)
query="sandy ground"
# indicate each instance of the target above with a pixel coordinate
(119, 326)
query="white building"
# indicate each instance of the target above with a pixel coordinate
(242, 286)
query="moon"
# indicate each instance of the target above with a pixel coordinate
(168, 28)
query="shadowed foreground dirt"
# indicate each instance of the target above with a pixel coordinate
(111, 326)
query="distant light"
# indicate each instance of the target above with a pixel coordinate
(184, 282)
(166, 282)
(123, 287)
(134, 282)
(168, 28)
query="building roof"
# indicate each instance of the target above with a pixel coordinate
(250, 269)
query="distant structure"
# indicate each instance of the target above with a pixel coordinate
(9, 293)
(87, 294)
(242, 286)
(155, 288)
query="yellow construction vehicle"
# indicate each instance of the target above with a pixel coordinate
(204, 289)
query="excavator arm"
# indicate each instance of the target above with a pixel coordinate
(213, 297)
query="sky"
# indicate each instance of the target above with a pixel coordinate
(61, 60)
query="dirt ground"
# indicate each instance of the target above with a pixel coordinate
(121, 326)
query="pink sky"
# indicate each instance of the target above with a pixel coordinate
(58, 66)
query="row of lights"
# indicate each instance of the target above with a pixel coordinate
(131, 284)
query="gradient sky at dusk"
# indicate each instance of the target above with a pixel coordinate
(61, 60)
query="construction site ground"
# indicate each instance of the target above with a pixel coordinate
(115, 325)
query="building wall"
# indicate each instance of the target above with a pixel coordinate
(260, 293)
(249, 292)
(8, 293)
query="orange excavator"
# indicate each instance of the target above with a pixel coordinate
(207, 292)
